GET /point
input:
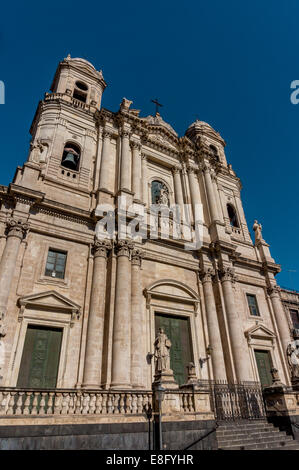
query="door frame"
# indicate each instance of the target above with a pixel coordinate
(174, 313)
(179, 316)
(21, 335)
(269, 351)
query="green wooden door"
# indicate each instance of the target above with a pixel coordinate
(40, 358)
(264, 365)
(178, 331)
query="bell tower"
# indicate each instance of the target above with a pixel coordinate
(65, 135)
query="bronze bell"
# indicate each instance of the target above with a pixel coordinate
(70, 161)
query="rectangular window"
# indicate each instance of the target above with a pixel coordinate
(295, 317)
(56, 261)
(252, 304)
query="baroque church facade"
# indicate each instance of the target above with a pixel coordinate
(81, 312)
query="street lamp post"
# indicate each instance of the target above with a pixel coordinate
(159, 396)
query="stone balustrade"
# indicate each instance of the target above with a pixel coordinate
(29, 402)
(73, 402)
(67, 98)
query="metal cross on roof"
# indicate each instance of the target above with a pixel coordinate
(156, 102)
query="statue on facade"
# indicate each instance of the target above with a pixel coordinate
(162, 352)
(293, 359)
(163, 198)
(258, 231)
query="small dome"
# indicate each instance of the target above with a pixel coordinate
(80, 61)
(199, 125)
(200, 128)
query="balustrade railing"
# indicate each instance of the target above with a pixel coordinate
(73, 402)
(68, 99)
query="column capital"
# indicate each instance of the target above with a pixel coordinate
(124, 248)
(206, 275)
(125, 133)
(176, 169)
(137, 255)
(274, 291)
(227, 274)
(135, 145)
(101, 247)
(190, 169)
(16, 228)
(106, 134)
(205, 167)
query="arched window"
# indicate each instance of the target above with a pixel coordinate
(80, 91)
(232, 216)
(214, 152)
(159, 193)
(71, 156)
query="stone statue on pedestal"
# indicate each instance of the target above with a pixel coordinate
(293, 359)
(258, 231)
(163, 372)
(163, 198)
(162, 352)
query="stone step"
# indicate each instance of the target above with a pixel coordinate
(247, 425)
(258, 431)
(268, 446)
(253, 441)
(255, 435)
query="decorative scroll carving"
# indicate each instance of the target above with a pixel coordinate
(228, 274)
(137, 255)
(101, 248)
(274, 291)
(17, 228)
(124, 248)
(206, 275)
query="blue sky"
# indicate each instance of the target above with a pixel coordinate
(229, 63)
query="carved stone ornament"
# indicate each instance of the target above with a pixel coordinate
(124, 247)
(274, 291)
(228, 274)
(2, 331)
(101, 248)
(206, 275)
(137, 255)
(16, 228)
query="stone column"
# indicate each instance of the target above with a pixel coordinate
(95, 329)
(121, 347)
(194, 190)
(213, 326)
(16, 231)
(138, 318)
(178, 190)
(126, 162)
(210, 193)
(144, 181)
(136, 177)
(235, 328)
(105, 161)
(280, 316)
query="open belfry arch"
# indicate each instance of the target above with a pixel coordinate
(81, 313)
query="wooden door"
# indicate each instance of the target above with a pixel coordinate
(40, 358)
(178, 331)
